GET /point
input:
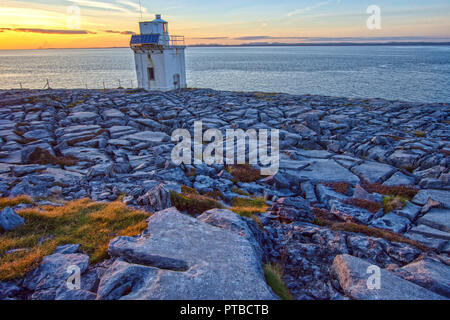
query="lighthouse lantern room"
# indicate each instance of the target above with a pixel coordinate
(159, 57)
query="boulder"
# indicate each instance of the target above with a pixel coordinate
(156, 199)
(10, 220)
(52, 274)
(428, 273)
(292, 209)
(353, 275)
(228, 220)
(75, 295)
(217, 263)
(68, 249)
(438, 219)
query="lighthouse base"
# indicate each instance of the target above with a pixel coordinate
(161, 70)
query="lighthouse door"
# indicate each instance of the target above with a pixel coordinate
(176, 81)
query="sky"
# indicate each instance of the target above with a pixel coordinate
(38, 24)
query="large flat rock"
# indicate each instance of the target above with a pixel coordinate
(374, 172)
(441, 196)
(148, 136)
(430, 232)
(327, 171)
(180, 257)
(351, 272)
(428, 273)
(438, 219)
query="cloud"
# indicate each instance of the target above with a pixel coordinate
(252, 38)
(344, 39)
(50, 31)
(99, 5)
(119, 32)
(309, 8)
(132, 5)
(210, 38)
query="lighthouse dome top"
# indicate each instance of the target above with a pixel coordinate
(158, 19)
(157, 26)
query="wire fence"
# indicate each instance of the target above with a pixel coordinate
(48, 85)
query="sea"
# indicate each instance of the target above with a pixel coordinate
(409, 73)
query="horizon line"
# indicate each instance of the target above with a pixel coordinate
(280, 44)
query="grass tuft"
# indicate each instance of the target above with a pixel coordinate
(244, 173)
(193, 203)
(391, 203)
(247, 207)
(274, 278)
(12, 202)
(371, 206)
(93, 225)
(420, 134)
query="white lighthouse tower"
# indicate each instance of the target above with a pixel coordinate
(159, 57)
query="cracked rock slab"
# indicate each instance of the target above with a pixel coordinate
(217, 263)
(352, 275)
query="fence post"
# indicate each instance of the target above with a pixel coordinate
(47, 85)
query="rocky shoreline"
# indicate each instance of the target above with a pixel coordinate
(361, 182)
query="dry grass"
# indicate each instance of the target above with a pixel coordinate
(376, 233)
(73, 142)
(189, 190)
(420, 134)
(339, 187)
(42, 156)
(371, 206)
(247, 207)
(216, 194)
(274, 278)
(91, 224)
(192, 173)
(192, 202)
(74, 104)
(401, 191)
(393, 137)
(239, 191)
(325, 219)
(12, 202)
(244, 173)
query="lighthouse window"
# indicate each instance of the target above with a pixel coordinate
(151, 73)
